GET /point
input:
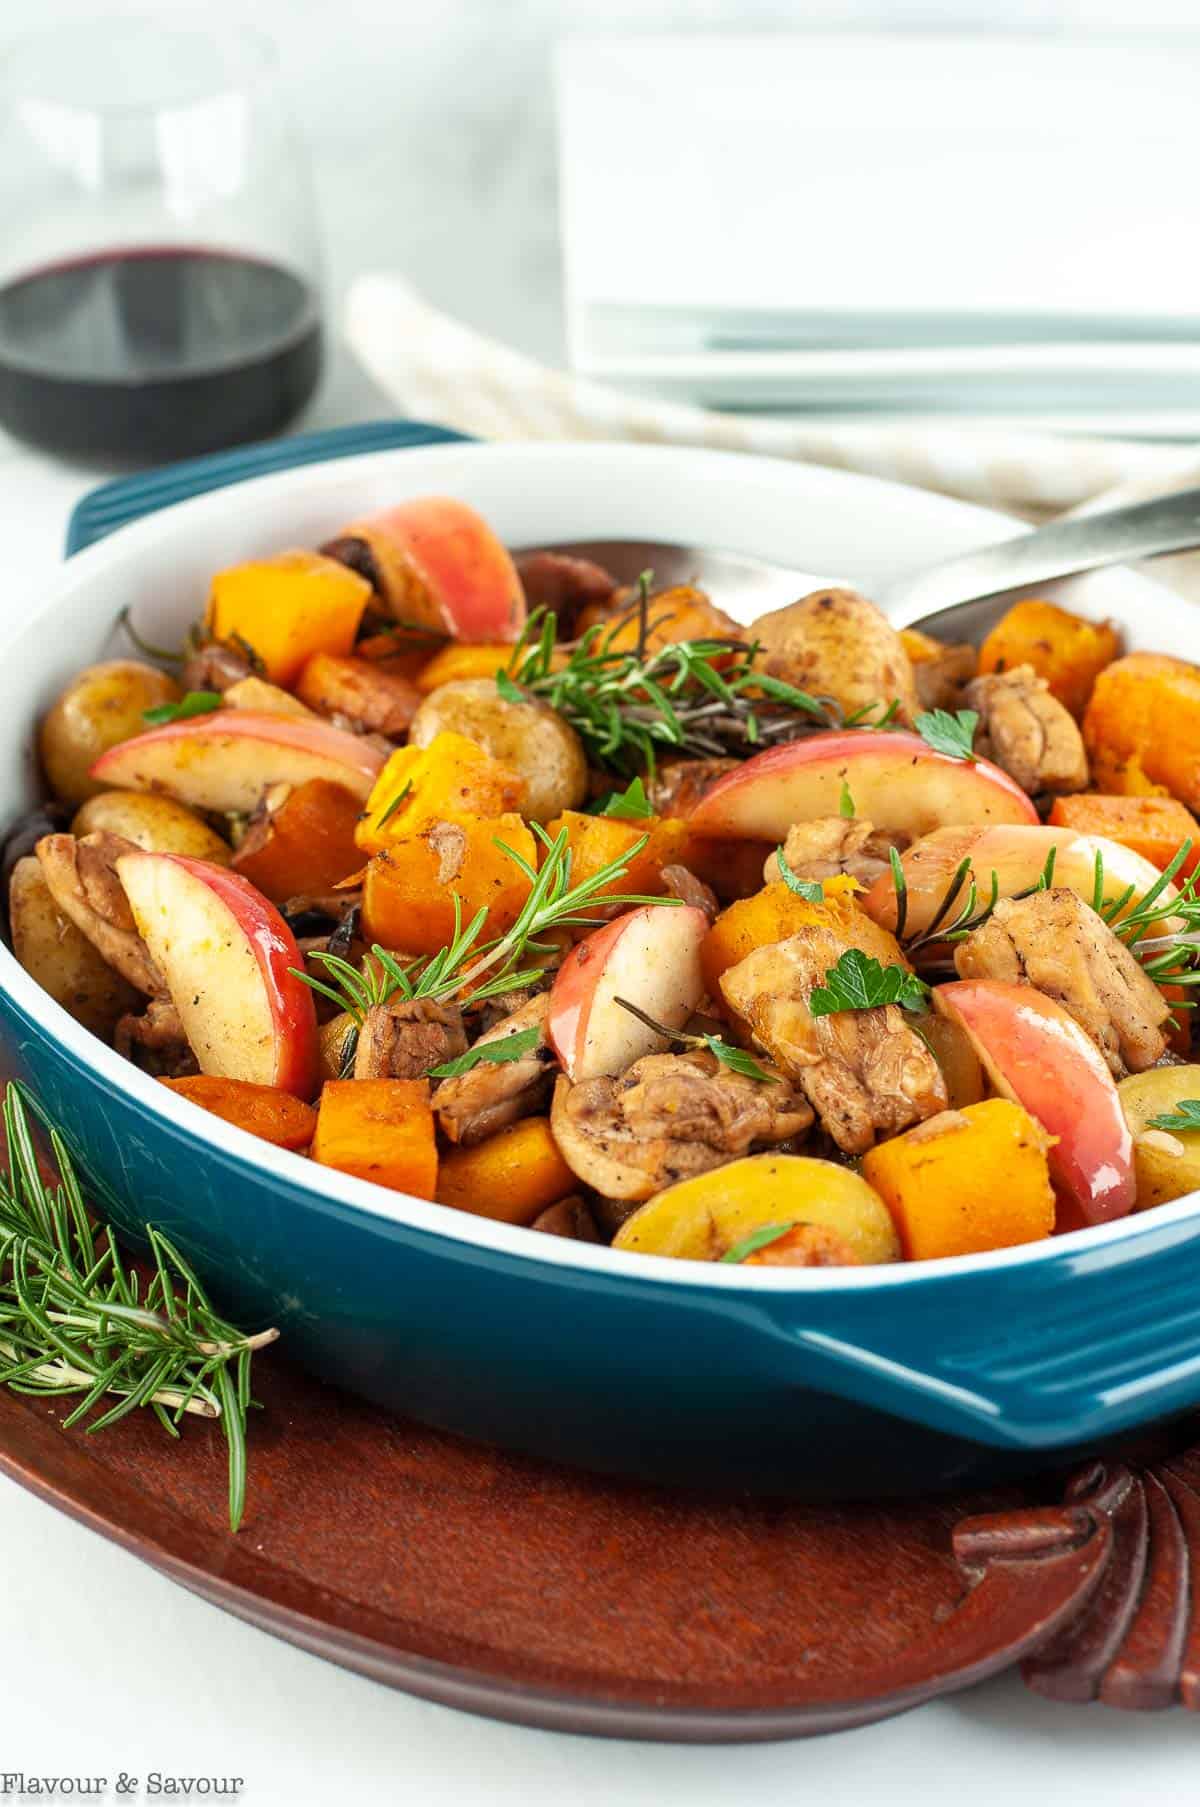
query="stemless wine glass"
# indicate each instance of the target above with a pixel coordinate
(159, 264)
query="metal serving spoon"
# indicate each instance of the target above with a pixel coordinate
(957, 599)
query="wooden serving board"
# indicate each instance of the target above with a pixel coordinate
(497, 1584)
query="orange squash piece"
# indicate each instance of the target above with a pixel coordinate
(381, 1130)
(681, 613)
(1069, 652)
(409, 890)
(400, 650)
(512, 1177)
(287, 608)
(774, 912)
(1155, 827)
(1142, 728)
(382, 700)
(595, 841)
(966, 1181)
(450, 777)
(262, 1110)
(302, 841)
(462, 659)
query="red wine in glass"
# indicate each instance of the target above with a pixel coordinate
(135, 356)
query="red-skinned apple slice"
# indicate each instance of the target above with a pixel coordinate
(651, 956)
(439, 565)
(895, 781)
(225, 760)
(1017, 854)
(1037, 1055)
(225, 953)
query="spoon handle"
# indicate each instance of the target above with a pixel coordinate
(1084, 543)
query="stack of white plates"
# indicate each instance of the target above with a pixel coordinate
(922, 225)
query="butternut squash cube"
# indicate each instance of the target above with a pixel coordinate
(1065, 649)
(512, 1177)
(451, 777)
(409, 890)
(966, 1181)
(381, 1130)
(286, 608)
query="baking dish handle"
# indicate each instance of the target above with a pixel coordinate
(1030, 1355)
(126, 499)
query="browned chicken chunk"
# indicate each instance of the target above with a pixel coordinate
(676, 788)
(81, 877)
(554, 580)
(835, 643)
(830, 845)
(1027, 731)
(216, 667)
(475, 1105)
(155, 1041)
(679, 882)
(1054, 941)
(668, 1117)
(865, 1072)
(942, 678)
(404, 1038)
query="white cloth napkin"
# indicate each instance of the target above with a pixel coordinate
(437, 369)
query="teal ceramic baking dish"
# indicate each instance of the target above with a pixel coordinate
(831, 1383)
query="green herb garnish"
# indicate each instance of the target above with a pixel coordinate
(846, 807)
(1185, 1116)
(811, 890)
(196, 702)
(553, 903)
(701, 697)
(757, 1239)
(404, 792)
(736, 1059)
(496, 1053)
(75, 1320)
(631, 804)
(953, 735)
(857, 981)
(147, 648)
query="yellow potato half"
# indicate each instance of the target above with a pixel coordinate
(1166, 1162)
(701, 1218)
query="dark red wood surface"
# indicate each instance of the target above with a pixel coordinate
(494, 1583)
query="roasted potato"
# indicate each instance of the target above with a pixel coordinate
(702, 1218)
(1166, 1162)
(100, 707)
(835, 643)
(529, 738)
(158, 824)
(62, 960)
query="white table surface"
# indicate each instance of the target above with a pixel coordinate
(108, 1668)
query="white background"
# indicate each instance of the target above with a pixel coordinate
(432, 132)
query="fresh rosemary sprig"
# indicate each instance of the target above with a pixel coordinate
(736, 1059)
(553, 903)
(943, 926)
(1169, 959)
(704, 698)
(74, 1319)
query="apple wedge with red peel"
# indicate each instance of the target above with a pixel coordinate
(1035, 1053)
(1017, 854)
(224, 761)
(651, 956)
(895, 781)
(225, 953)
(439, 565)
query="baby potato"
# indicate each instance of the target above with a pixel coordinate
(702, 1218)
(530, 738)
(62, 960)
(333, 1037)
(158, 824)
(1166, 1162)
(836, 643)
(102, 705)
